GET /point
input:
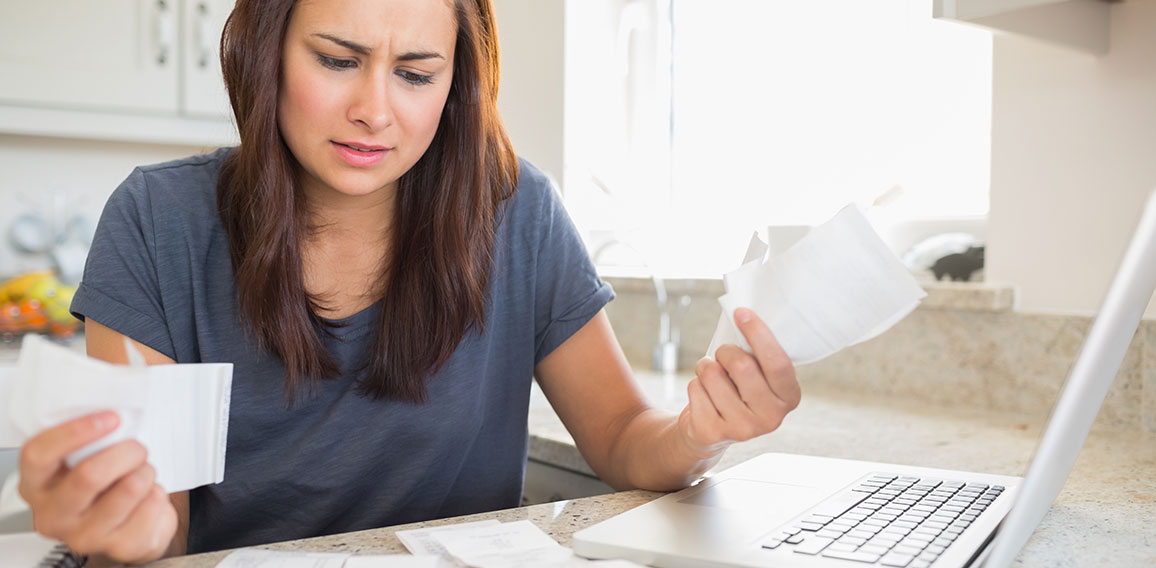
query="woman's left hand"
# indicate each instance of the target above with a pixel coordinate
(739, 396)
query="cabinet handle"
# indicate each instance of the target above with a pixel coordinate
(205, 35)
(165, 30)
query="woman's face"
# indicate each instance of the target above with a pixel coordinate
(363, 87)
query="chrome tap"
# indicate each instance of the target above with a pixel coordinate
(664, 355)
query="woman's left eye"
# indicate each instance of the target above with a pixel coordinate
(415, 78)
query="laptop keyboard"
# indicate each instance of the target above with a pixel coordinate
(888, 519)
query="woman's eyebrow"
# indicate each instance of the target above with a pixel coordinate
(416, 55)
(354, 47)
(363, 50)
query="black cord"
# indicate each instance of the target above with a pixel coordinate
(62, 557)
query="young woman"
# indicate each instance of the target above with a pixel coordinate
(387, 278)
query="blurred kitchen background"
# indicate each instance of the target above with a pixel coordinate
(1017, 135)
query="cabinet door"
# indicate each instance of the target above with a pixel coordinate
(118, 55)
(204, 88)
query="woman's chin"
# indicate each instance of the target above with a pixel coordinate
(359, 187)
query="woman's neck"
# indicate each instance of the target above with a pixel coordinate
(346, 248)
(333, 214)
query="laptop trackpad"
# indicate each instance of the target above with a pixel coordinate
(784, 500)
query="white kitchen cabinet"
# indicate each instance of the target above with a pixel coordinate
(1077, 24)
(134, 70)
(204, 90)
(80, 54)
(546, 483)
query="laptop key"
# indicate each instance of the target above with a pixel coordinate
(813, 545)
(839, 545)
(851, 555)
(897, 559)
(794, 539)
(839, 504)
(808, 526)
(772, 544)
(829, 533)
(908, 550)
(876, 549)
(885, 540)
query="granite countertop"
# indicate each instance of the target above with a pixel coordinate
(1101, 517)
(559, 520)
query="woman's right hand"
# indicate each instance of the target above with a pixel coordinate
(109, 504)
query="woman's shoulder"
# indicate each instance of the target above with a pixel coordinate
(185, 185)
(536, 190)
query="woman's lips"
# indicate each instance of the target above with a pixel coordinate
(363, 157)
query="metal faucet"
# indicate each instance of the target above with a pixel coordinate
(664, 355)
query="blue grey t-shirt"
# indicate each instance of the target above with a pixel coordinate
(159, 272)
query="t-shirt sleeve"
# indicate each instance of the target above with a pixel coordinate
(568, 291)
(120, 288)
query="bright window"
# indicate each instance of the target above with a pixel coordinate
(692, 123)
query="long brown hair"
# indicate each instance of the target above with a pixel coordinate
(442, 234)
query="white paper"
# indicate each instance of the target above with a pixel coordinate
(394, 561)
(422, 541)
(258, 558)
(180, 413)
(837, 286)
(519, 544)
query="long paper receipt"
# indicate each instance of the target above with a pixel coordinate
(180, 412)
(838, 286)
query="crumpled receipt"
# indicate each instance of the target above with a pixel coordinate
(837, 286)
(180, 412)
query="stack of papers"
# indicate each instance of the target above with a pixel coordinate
(837, 286)
(257, 558)
(180, 413)
(483, 544)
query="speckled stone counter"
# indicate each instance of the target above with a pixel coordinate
(1102, 518)
(559, 520)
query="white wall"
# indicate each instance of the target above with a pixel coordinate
(530, 96)
(1073, 158)
(82, 172)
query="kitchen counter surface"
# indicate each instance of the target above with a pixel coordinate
(1101, 518)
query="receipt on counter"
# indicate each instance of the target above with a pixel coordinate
(179, 412)
(519, 544)
(422, 541)
(837, 286)
(258, 558)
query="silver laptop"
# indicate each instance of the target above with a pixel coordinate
(794, 510)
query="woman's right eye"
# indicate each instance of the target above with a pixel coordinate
(336, 64)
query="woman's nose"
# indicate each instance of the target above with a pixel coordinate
(371, 104)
